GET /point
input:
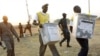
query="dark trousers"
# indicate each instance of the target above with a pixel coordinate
(43, 48)
(84, 46)
(10, 47)
(71, 29)
(28, 30)
(66, 35)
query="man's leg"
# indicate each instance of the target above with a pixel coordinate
(25, 30)
(64, 34)
(42, 47)
(22, 34)
(62, 41)
(30, 32)
(8, 46)
(53, 50)
(13, 51)
(68, 39)
(67, 36)
(84, 47)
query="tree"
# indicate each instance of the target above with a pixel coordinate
(57, 21)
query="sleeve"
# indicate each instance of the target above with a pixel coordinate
(14, 31)
(36, 17)
(71, 21)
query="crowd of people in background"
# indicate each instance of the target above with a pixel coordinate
(7, 31)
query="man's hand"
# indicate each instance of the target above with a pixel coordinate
(18, 39)
(41, 26)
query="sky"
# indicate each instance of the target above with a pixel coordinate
(16, 10)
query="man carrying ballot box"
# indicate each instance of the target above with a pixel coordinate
(83, 29)
(43, 18)
(82, 42)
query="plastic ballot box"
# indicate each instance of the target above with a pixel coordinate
(83, 26)
(50, 33)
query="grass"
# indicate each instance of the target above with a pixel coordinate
(29, 46)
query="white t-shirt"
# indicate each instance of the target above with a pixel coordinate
(71, 21)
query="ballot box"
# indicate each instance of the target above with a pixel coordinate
(83, 26)
(50, 33)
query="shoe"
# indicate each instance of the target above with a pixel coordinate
(69, 46)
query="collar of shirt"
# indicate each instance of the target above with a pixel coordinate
(43, 13)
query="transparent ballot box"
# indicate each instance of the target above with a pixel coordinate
(83, 26)
(50, 33)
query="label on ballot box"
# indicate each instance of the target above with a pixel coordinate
(50, 33)
(83, 26)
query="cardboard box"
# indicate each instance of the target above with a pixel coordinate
(83, 26)
(50, 33)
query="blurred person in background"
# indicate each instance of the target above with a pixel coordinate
(64, 27)
(20, 30)
(28, 27)
(6, 34)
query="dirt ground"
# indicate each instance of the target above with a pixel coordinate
(29, 46)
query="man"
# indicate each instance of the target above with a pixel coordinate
(63, 25)
(82, 42)
(20, 30)
(43, 17)
(28, 27)
(6, 33)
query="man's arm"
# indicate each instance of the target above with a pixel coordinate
(40, 25)
(60, 24)
(0, 37)
(0, 34)
(14, 32)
